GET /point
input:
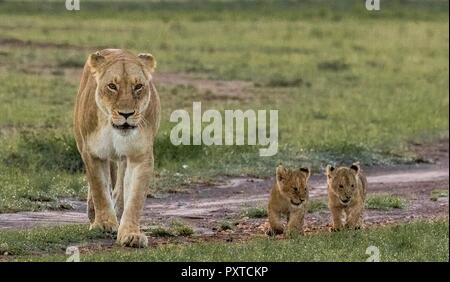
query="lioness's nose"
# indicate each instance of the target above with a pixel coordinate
(126, 115)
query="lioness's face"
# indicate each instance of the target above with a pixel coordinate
(123, 93)
(123, 90)
(293, 184)
(343, 182)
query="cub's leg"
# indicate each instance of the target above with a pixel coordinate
(296, 220)
(276, 227)
(355, 217)
(337, 214)
(97, 174)
(137, 177)
(118, 188)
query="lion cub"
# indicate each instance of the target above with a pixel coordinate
(346, 195)
(289, 196)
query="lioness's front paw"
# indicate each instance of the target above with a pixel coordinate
(105, 226)
(134, 240)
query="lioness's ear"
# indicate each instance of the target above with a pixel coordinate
(281, 172)
(148, 60)
(306, 171)
(95, 60)
(330, 170)
(355, 167)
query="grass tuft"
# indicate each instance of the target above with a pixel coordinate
(384, 201)
(255, 212)
(438, 193)
(176, 228)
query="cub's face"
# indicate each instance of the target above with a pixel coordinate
(293, 184)
(123, 90)
(343, 182)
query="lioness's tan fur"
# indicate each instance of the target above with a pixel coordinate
(289, 196)
(116, 82)
(347, 188)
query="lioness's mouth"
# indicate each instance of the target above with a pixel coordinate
(124, 126)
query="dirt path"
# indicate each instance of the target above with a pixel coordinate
(205, 207)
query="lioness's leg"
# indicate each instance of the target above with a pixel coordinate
(276, 227)
(137, 176)
(113, 174)
(336, 214)
(295, 223)
(97, 173)
(118, 188)
(90, 206)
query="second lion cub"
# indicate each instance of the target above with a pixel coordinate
(347, 188)
(289, 196)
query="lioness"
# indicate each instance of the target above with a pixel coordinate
(346, 195)
(289, 196)
(117, 113)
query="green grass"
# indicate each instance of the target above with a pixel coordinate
(384, 201)
(45, 240)
(181, 229)
(226, 225)
(416, 241)
(438, 193)
(176, 228)
(160, 231)
(315, 205)
(358, 92)
(255, 212)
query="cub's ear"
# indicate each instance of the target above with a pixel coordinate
(330, 170)
(95, 60)
(306, 171)
(281, 172)
(355, 167)
(148, 60)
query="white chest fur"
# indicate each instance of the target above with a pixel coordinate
(107, 143)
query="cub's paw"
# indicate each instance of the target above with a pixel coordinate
(274, 231)
(335, 229)
(354, 227)
(134, 240)
(105, 226)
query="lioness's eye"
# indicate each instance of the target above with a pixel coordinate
(112, 86)
(138, 87)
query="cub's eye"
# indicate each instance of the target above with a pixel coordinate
(138, 87)
(341, 186)
(353, 185)
(112, 86)
(295, 189)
